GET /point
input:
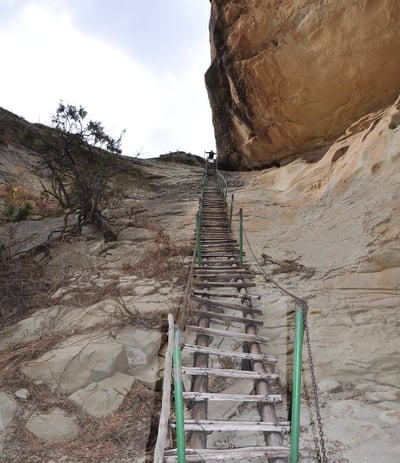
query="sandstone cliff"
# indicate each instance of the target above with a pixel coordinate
(289, 76)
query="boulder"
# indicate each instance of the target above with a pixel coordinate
(287, 77)
(82, 360)
(77, 362)
(103, 398)
(55, 426)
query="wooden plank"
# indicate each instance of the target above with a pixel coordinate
(224, 268)
(224, 275)
(227, 334)
(228, 373)
(196, 455)
(224, 284)
(198, 292)
(211, 396)
(252, 426)
(217, 246)
(166, 396)
(226, 317)
(264, 358)
(221, 264)
(226, 254)
(226, 305)
(221, 240)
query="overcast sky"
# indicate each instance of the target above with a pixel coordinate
(133, 64)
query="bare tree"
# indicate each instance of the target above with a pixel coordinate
(82, 160)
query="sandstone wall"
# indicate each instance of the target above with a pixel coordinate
(289, 76)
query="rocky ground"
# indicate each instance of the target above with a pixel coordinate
(80, 377)
(80, 374)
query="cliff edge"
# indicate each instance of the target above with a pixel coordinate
(289, 77)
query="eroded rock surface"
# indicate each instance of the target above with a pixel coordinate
(290, 76)
(329, 232)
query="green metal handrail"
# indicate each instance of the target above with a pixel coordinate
(296, 389)
(241, 237)
(179, 406)
(301, 308)
(230, 214)
(198, 248)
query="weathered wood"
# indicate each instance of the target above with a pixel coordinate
(225, 275)
(253, 426)
(228, 318)
(227, 334)
(221, 264)
(166, 396)
(228, 373)
(231, 354)
(196, 455)
(234, 266)
(226, 305)
(199, 396)
(200, 384)
(221, 240)
(227, 254)
(223, 284)
(198, 292)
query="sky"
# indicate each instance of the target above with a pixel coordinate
(133, 64)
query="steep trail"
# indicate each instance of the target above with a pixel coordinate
(231, 389)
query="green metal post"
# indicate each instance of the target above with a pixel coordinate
(178, 391)
(198, 226)
(230, 214)
(241, 237)
(296, 391)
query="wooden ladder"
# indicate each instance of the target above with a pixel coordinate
(228, 374)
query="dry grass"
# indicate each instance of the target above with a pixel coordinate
(290, 266)
(165, 260)
(151, 320)
(23, 288)
(128, 432)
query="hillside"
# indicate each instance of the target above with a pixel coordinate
(82, 358)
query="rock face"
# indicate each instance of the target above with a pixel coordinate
(329, 232)
(290, 76)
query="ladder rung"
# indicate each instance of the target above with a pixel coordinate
(227, 334)
(225, 275)
(226, 305)
(213, 425)
(198, 292)
(201, 396)
(223, 284)
(228, 373)
(194, 455)
(228, 318)
(232, 354)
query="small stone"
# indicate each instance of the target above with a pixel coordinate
(329, 385)
(22, 394)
